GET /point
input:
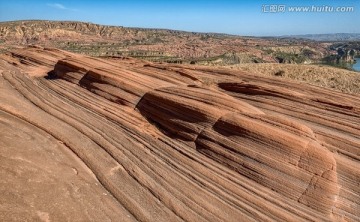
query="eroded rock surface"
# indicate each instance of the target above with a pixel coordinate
(122, 139)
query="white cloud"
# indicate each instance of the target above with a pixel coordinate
(60, 6)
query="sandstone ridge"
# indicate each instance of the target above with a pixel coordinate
(170, 142)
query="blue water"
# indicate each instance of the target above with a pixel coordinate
(356, 66)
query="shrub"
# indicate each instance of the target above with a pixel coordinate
(279, 73)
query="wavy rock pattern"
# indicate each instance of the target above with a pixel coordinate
(124, 139)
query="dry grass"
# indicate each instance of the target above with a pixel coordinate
(321, 75)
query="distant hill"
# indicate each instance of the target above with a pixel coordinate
(336, 37)
(41, 30)
(158, 44)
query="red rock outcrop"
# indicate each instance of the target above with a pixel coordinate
(124, 139)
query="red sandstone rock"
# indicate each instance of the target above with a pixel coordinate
(92, 139)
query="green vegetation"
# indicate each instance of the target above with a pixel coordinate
(283, 57)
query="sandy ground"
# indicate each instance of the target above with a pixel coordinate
(320, 75)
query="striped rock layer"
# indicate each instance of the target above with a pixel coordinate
(119, 139)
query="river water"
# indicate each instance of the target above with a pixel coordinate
(356, 66)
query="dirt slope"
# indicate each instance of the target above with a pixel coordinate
(320, 75)
(88, 139)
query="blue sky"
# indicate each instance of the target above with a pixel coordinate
(233, 17)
